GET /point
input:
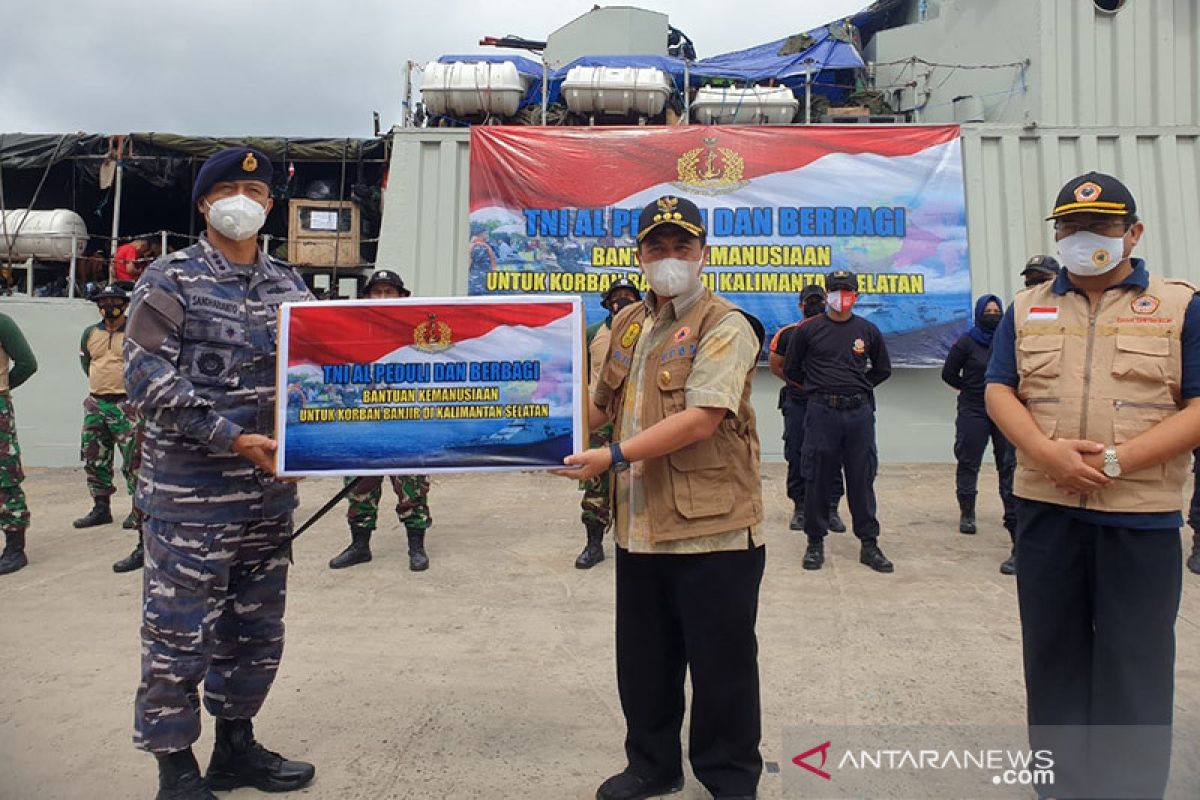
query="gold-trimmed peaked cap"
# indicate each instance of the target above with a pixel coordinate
(1094, 193)
(670, 210)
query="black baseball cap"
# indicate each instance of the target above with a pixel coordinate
(388, 277)
(1094, 193)
(812, 290)
(111, 292)
(670, 210)
(1045, 265)
(619, 283)
(842, 279)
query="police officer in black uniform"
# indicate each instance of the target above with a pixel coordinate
(839, 359)
(965, 370)
(793, 403)
(1039, 269)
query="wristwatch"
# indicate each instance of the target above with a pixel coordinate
(1112, 467)
(618, 458)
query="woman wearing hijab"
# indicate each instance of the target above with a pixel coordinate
(964, 370)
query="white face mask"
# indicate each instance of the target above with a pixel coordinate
(1086, 253)
(671, 277)
(237, 217)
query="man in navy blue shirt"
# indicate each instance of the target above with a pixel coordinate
(1095, 378)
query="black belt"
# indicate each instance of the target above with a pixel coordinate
(111, 398)
(844, 401)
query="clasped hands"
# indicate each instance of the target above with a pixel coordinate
(1075, 465)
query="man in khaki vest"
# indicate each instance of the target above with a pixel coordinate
(1095, 378)
(688, 502)
(110, 422)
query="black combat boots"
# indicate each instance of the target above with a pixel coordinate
(359, 551)
(836, 525)
(814, 556)
(101, 514)
(239, 760)
(418, 561)
(873, 557)
(13, 557)
(135, 560)
(966, 509)
(179, 778)
(593, 553)
(797, 521)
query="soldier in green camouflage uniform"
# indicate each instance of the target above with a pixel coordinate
(14, 513)
(412, 508)
(110, 422)
(109, 426)
(595, 504)
(412, 491)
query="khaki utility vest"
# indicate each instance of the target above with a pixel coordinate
(711, 486)
(597, 350)
(106, 372)
(1106, 376)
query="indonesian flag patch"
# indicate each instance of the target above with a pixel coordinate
(1043, 313)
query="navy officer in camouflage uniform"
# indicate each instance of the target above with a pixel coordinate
(412, 491)
(200, 353)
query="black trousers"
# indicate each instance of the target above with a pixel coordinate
(697, 612)
(1098, 607)
(1193, 519)
(973, 429)
(838, 440)
(794, 412)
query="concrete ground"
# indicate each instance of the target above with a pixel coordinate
(491, 675)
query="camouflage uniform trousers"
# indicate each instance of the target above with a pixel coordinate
(412, 501)
(595, 504)
(109, 425)
(14, 513)
(207, 615)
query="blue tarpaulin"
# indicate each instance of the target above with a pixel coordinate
(765, 61)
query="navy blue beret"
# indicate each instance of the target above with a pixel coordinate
(232, 164)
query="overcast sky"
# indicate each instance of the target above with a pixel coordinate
(289, 67)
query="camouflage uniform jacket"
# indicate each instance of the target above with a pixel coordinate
(200, 360)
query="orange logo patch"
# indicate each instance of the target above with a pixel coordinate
(1146, 304)
(1087, 192)
(683, 333)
